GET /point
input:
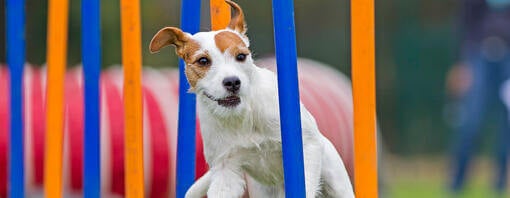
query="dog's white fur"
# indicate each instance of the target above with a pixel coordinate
(242, 143)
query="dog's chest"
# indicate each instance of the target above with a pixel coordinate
(259, 155)
(264, 163)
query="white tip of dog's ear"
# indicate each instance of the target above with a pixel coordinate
(167, 36)
(237, 22)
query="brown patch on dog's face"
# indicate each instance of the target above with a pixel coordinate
(228, 40)
(191, 55)
(187, 49)
(196, 69)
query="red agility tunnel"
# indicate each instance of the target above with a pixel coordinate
(325, 92)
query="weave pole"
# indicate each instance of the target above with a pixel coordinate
(16, 59)
(363, 77)
(190, 22)
(91, 56)
(288, 92)
(56, 58)
(132, 61)
(220, 14)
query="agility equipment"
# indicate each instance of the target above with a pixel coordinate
(363, 70)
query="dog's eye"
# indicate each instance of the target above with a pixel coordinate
(203, 61)
(241, 57)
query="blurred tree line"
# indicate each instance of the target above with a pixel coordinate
(416, 45)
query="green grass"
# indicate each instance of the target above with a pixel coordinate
(437, 189)
(427, 177)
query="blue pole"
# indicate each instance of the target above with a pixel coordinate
(91, 57)
(286, 55)
(16, 60)
(190, 22)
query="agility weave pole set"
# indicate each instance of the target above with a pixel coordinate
(363, 61)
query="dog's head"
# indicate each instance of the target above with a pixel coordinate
(218, 63)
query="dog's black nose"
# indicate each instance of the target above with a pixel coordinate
(232, 84)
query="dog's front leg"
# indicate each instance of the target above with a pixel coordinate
(227, 183)
(313, 164)
(200, 187)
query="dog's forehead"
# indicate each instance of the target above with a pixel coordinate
(219, 40)
(205, 40)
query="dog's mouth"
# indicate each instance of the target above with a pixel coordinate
(229, 101)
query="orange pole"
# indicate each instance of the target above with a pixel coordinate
(132, 61)
(56, 58)
(363, 76)
(220, 14)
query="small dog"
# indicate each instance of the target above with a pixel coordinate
(239, 119)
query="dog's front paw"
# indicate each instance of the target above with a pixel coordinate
(227, 186)
(193, 194)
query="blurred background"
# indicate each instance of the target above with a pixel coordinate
(417, 43)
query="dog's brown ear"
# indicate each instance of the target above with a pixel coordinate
(237, 21)
(168, 36)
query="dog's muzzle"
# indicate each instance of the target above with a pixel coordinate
(229, 101)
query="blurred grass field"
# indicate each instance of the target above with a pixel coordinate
(428, 177)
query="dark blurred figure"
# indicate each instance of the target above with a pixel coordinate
(477, 80)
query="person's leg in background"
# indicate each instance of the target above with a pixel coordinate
(503, 139)
(502, 143)
(472, 108)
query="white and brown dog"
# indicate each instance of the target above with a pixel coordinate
(239, 119)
